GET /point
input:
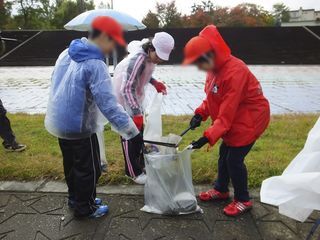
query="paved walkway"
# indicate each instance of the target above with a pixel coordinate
(289, 88)
(39, 215)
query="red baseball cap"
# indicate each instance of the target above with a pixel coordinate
(110, 27)
(195, 48)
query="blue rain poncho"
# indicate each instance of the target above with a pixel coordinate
(81, 90)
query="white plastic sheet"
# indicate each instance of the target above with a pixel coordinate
(169, 189)
(153, 120)
(297, 191)
(102, 149)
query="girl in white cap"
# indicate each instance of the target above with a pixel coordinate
(131, 76)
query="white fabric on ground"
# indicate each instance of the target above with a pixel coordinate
(297, 191)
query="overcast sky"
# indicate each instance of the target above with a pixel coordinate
(139, 8)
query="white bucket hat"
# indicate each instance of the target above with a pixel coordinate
(163, 43)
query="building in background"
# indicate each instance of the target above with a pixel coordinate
(303, 17)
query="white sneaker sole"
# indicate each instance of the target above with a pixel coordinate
(16, 150)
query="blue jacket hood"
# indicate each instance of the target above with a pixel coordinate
(81, 50)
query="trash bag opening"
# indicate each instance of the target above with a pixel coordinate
(169, 188)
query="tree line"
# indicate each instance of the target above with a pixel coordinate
(40, 14)
(54, 14)
(242, 15)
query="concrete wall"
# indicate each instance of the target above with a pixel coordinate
(300, 24)
(292, 45)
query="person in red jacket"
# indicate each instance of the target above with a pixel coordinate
(238, 110)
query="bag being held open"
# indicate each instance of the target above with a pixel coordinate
(169, 189)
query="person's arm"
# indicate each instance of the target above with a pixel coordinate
(233, 93)
(201, 113)
(203, 110)
(135, 68)
(101, 88)
(159, 86)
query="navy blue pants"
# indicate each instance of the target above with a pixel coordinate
(231, 166)
(6, 132)
(82, 169)
(133, 157)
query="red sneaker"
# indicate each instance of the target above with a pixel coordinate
(236, 208)
(213, 194)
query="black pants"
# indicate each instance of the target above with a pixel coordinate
(133, 157)
(82, 169)
(231, 166)
(6, 132)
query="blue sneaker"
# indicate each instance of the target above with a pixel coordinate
(101, 211)
(104, 168)
(98, 201)
(72, 203)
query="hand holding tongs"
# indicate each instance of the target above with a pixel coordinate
(173, 145)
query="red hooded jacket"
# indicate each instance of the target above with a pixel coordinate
(234, 98)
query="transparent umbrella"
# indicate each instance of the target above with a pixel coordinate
(83, 21)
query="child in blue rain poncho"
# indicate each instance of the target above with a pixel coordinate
(81, 89)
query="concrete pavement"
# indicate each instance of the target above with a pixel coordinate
(38, 210)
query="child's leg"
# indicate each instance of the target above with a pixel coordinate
(238, 171)
(6, 132)
(223, 179)
(132, 157)
(220, 189)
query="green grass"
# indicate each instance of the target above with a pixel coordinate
(272, 153)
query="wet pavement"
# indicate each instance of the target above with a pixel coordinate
(290, 89)
(46, 216)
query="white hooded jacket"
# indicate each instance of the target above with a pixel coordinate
(131, 76)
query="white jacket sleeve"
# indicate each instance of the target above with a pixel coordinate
(101, 88)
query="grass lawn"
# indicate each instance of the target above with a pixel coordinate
(42, 160)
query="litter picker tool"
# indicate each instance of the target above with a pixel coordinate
(172, 145)
(185, 131)
(182, 134)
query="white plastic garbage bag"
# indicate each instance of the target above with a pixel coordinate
(153, 121)
(102, 148)
(169, 188)
(297, 191)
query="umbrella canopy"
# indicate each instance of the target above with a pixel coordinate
(83, 21)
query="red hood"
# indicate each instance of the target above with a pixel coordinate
(219, 46)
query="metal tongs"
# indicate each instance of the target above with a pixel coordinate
(172, 145)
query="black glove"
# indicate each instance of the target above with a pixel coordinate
(199, 143)
(195, 121)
